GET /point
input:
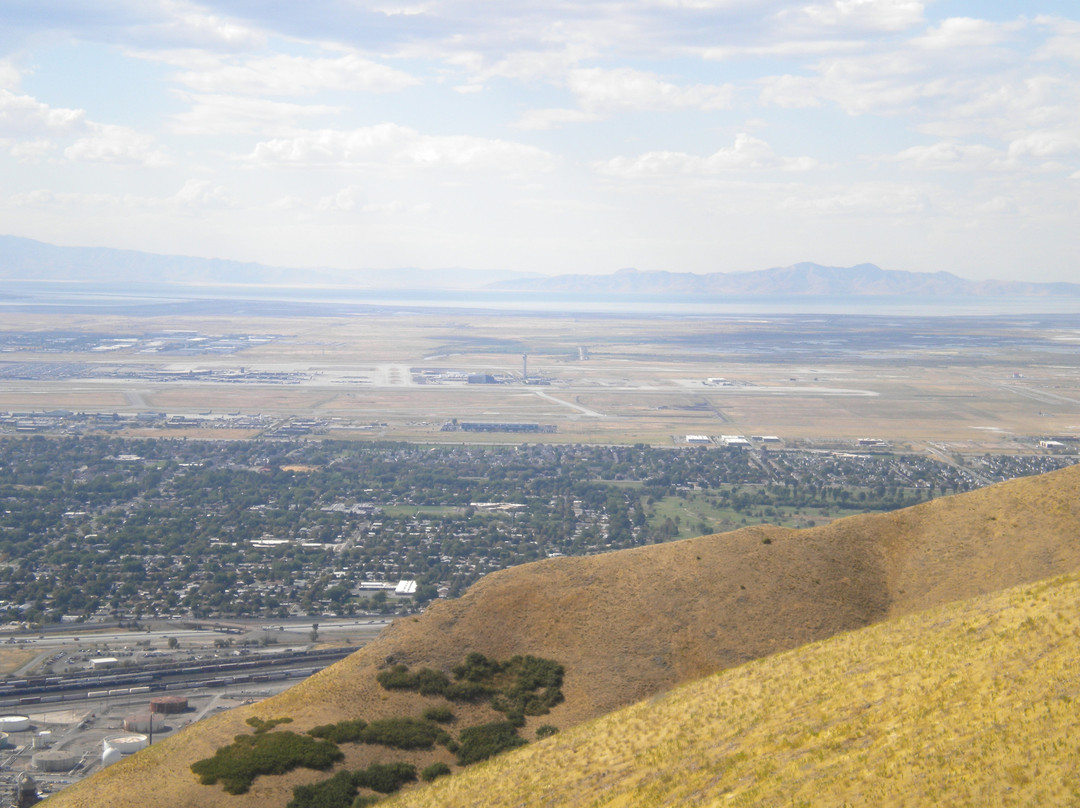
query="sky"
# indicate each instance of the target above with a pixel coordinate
(549, 136)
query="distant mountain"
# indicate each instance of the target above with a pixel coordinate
(630, 625)
(805, 278)
(26, 259)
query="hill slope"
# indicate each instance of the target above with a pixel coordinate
(805, 278)
(632, 624)
(971, 704)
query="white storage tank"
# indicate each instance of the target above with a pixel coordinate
(14, 723)
(126, 744)
(54, 760)
(110, 755)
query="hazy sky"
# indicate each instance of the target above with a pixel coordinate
(541, 135)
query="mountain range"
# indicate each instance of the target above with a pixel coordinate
(882, 659)
(23, 259)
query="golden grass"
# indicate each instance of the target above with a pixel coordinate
(633, 624)
(972, 704)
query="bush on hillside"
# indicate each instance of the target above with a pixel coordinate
(340, 790)
(237, 765)
(439, 713)
(404, 733)
(265, 725)
(486, 740)
(347, 731)
(433, 771)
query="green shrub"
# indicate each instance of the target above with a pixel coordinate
(403, 733)
(486, 740)
(426, 681)
(439, 713)
(545, 731)
(348, 731)
(364, 800)
(238, 764)
(433, 771)
(337, 792)
(477, 668)
(385, 778)
(261, 725)
(469, 692)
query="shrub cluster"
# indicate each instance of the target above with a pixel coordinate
(433, 771)
(404, 733)
(237, 765)
(262, 725)
(520, 686)
(439, 713)
(348, 731)
(340, 790)
(486, 740)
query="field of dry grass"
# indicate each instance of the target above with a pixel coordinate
(972, 704)
(631, 625)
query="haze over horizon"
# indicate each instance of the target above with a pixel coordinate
(681, 135)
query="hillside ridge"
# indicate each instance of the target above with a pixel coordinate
(632, 624)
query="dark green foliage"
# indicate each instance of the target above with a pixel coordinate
(471, 692)
(440, 713)
(484, 741)
(385, 778)
(364, 800)
(238, 764)
(520, 686)
(426, 681)
(433, 771)
(337, 792)
(340, 790)
(348, 731)
(477, 668)
(545, 731)
(404, 733)
(266, 725)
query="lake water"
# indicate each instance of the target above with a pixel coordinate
(250, 300)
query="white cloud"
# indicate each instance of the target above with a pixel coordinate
(21, 115)
(950, 156)
(1045, 143)
(390, 145)
(880, 15)
(30, 151)
(180, 22)
(746, 154)
(119, 145)
(9, 76)
(962, 32)
(202, 194)
(554, 118)
(604, 90)
(230, 114)
(295, 75)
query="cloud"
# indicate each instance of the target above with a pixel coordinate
(21, 115)
(554, 118)
(285, 75)
(9, 76)
(951, 156)
(393, 146)
(962, 32)
(746, 154)
(874, 15)
(229, 114)
(605, 90)
(119, 145)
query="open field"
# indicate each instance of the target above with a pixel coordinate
(975, 384)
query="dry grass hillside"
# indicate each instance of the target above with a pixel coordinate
(969, 704)
(633, 624)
